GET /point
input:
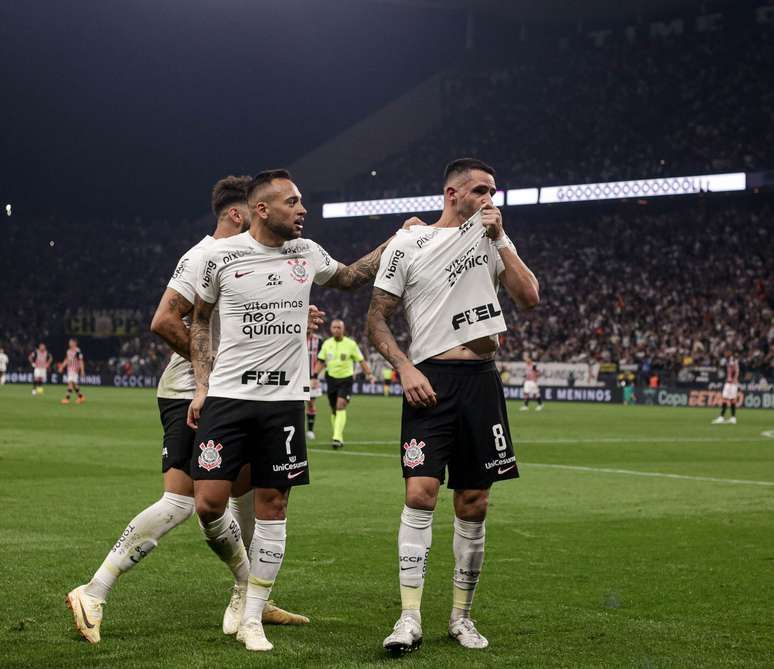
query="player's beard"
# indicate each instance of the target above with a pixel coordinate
(285, 232)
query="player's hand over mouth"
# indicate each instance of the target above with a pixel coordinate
(492, 220)
(416, 387)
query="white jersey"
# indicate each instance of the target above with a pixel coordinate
(262, 294)
(447, 278)
(3, 362)
(177, 381)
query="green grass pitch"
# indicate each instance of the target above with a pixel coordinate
(636, 537)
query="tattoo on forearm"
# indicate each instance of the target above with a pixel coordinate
(381, 309)
(201, 355)
(359, 272)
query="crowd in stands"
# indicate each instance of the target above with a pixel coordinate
(584, 113)
(668, 284)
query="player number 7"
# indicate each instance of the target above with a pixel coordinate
(291, 431)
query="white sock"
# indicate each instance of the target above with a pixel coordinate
(243, 509)
(266, 553)
(139, 538)
(225, 538)
(468, 559)
(415, 537)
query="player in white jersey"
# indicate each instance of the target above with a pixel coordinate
(41, 360)
(176, 388)
(249, 403)
(75, 365)
(454, 412)
(730, 391)
(531, 387)
(3, 365)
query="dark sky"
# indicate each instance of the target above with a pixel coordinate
(134, 108)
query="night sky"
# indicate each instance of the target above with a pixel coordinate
(124, 109)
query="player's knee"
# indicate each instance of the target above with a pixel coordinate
(421, 497)
(209, 509)
(341, 404)
(271, 504)
(471, 505)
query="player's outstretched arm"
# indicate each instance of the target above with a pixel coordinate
(168, 322)
(360, 272)
(201, 357)
(519, 281)
(418, 391)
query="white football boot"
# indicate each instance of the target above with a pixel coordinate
(732, 420)
(87, 613)
(406, 636)
(251, 634)
(233, 612)
(465, 632)
(719, 420)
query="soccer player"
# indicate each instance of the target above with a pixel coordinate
(176, 388)
(249, 404)
(454, 412)
(3, 365)
(337, 357)
(730, 391)
(386, 379)
(313, 346)
(531, 388)
(40, 359)
(75, 365)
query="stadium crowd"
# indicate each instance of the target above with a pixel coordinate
(668, 284)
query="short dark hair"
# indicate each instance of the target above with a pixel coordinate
(229, 190)
(461, 165)
(264, 178)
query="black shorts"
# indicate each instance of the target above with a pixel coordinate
(178, 437)
(269, 436)
(339, 388)
(467, 431)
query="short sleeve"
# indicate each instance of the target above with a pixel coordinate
(207, 282)
(321, 353)
(184, 278)
(393, 268)
(357, 355)
(324, 266)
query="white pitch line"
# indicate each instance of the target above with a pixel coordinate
(602, 440)
(580, 468)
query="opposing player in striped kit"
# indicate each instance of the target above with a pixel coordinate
(312, 346)
(730, 391)
(176, 388)
(454, 415)
(76, 370)
(41, 360)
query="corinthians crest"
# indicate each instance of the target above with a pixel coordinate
(209, 458)
(298, 270)
(414, 455)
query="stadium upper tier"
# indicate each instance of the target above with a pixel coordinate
(586, 113)
(674, 281)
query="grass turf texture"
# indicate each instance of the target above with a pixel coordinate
(584, 568)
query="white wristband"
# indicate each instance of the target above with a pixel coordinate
(503, 243)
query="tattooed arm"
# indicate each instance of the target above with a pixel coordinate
(201, 357)
(418, 391)
(359, 273)
(168, 322)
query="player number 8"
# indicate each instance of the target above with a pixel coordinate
(500, 443)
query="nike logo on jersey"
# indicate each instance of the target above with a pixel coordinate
(501, 470)
(294, 474)
(239, 275)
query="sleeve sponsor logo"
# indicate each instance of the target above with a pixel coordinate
(426, 238)
(181, 267)
(392, 265)
(325, 257)
(209, 269)
(475, 315)
(236, 254)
